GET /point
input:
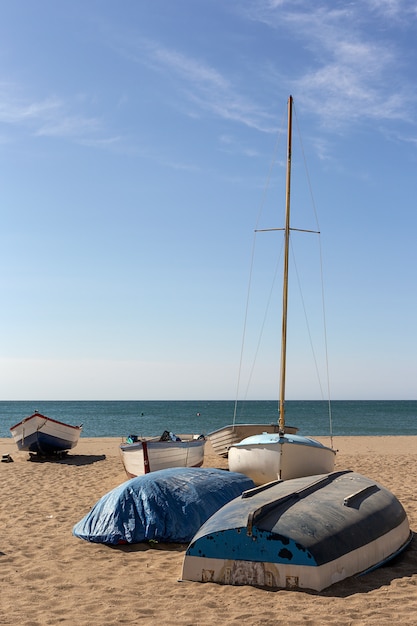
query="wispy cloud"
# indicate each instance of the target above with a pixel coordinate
(48, 117)
(18, 111)
(351, 52)
(192, 70)
(67, 126)
(400, 10)
(351, 62)
(204, 87)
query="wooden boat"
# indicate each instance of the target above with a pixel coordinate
(141, 455)
(280, 455)
(224, 437)
(304, 533)
(45, 436)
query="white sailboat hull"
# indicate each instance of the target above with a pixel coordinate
(150, 455)
(266, 458)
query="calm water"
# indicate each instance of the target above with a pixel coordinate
(119, 419)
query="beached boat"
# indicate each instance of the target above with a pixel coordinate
(224, 437)
(45, 436)
(268, 457)
(169, 505)
(141, 455)
(305, 533)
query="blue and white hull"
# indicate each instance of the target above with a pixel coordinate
(44, 436)
(307, 533)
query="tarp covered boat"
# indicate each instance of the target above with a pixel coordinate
(167, 505)
(306, 532)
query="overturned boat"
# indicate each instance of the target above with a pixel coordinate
(304, 533)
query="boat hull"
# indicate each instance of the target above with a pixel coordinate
(150, 455)
(44, 436)
(267, 458)
(307, 533)
(223, 438)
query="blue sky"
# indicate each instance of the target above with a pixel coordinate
(136, 143)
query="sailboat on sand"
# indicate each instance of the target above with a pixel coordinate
(281, 455)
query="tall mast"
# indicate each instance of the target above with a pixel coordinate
(281, 422)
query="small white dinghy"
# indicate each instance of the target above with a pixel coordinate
(304, 533)
(149, 454)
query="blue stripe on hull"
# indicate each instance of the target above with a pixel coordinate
(236, 544)
(42, 443)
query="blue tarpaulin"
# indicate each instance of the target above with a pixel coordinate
(168, 505)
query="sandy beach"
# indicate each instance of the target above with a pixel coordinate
(48, 576)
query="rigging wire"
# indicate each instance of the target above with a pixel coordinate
(321, 277)
(261, 207)
(267, 308)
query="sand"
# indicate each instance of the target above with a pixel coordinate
(48, 576)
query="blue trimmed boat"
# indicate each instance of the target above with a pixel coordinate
(269, 457)
(45, 436)
(304, 533)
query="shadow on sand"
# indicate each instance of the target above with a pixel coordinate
(63, 459)
(402, 566)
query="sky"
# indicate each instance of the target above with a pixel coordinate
(142, 144)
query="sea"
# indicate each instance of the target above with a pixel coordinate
(150, 418)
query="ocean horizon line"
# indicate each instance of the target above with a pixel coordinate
(213, 400)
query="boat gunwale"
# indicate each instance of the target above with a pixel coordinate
(282, 439)
(137, 445)
(49, 419)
